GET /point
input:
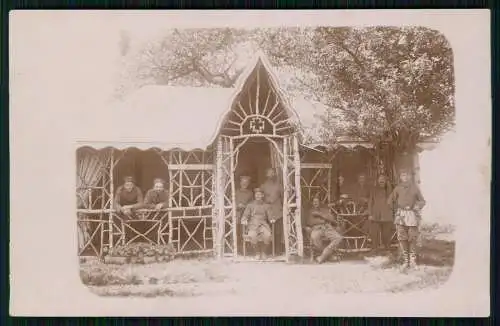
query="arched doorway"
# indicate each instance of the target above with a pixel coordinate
(260, 130)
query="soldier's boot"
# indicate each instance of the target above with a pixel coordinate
(256, 251)
(406, 261)
(327, 252)
(260, 251)
(412, 259)
(404, 255)
(265, 250)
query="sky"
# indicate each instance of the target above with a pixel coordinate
(438, 166)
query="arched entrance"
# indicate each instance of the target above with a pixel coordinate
(261, 120)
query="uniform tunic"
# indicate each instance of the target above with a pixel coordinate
(381, 217)
(243, 197)
(360, 192)
(339, 190)
(154, 197)
(273, 196)
(377, 205)
(408, 198)
(125, 198)
(321, 229)
(257, 215)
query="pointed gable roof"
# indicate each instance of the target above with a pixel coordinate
(170, 117)
(187, 118)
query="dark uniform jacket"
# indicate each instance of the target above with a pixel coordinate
(133, 197)
(243, 197)
(273, 193)
(319, 216)
(360, 193)
(154, 198)
(378, 208)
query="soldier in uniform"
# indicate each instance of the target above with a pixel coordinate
(157, 197)
(340, 191)
(243, 197)
(257, 216)
(319, 226)
(128, 198)
(361, 191)
(273, 196)
(381, 217)
(409, 202)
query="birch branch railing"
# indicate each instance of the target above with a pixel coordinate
(175, 225)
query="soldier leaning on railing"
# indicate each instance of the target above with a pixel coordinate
(128, 198)
(157, 197)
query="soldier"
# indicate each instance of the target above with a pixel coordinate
(319, 226)
(361, 192)
(157, 197)
(128, 198)
(243, 197)
(381, 219)
(273, 195)
(409, 202)
(257, 216)
(340, 191)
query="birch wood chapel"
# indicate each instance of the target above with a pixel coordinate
(200, 141)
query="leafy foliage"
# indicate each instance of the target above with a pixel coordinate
(390, 84)
(380, 83)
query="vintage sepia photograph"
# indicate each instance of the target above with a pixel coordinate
(306, 153)
(235, 168)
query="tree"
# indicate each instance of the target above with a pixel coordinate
(391, 86)
(202, 57)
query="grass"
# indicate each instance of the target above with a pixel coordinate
(205, 276)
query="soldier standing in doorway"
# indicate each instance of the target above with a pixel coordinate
(243, 197)
(273, 196)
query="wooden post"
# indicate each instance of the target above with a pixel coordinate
(219, 197)
(329, 198)
(203, 172)
(257, 95)
(181, 175)
(286, 227)
(111, 196)
(233, 199)
(298, 197)
(170, 197)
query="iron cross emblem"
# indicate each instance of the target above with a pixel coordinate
(257, 125)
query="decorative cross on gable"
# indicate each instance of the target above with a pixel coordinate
(257, 125)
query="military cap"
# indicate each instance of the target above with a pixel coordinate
(128, 179)
(158, 180)
(256, 190)
(244, 177)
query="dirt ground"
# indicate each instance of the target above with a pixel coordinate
(210, 277)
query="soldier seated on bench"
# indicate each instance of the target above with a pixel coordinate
(319, 226)
(257, 216)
